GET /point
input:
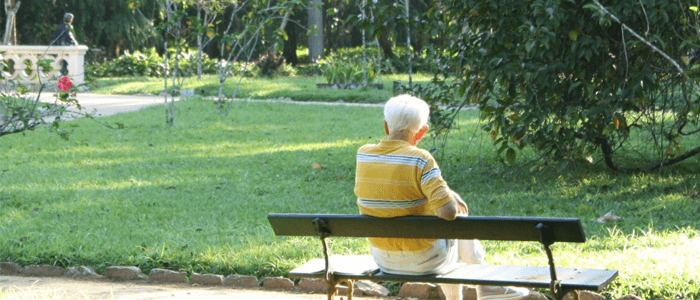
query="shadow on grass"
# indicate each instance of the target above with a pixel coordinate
(195, 196)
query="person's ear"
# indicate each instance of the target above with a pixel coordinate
(386, 128)
(419, 134)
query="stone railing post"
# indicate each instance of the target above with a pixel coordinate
(22, 62)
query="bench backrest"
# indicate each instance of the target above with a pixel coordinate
(482, 228)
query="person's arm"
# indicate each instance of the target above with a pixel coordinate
(447, 211)
(452, 209)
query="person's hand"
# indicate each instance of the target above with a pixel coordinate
(462, 208)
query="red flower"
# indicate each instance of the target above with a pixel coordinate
(64, 83)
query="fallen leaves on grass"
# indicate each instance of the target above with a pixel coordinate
(610, 216)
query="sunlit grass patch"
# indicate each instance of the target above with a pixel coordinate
(295, 88)
(195, 196)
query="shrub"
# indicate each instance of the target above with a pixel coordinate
(251, 69)
(287, 70)
(337, 68)
(20, 111)
(398, 64)
(308, 70)
(150, 64)
(136, 64)
(268, 64)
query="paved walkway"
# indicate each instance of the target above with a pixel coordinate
(105, 105)
(45, 288)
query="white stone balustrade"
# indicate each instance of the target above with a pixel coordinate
(22, 61)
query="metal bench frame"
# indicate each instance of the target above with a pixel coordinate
(546, 231)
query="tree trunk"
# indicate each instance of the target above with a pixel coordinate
(364, 49)
(199, 47)
(386, 44)
(289, 52)
(166, 62)
(316, 26)
(408, 46)
(283, 25)
(417, 43)
(175, 31)
(11, 8)
(178, 34)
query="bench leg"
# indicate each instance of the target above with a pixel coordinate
(351, 288)
(332, 290)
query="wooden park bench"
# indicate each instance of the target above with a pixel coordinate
(335, 269)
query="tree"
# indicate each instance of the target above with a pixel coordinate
(207, 12)
(172, 29)
(407, 23)
(11, 8)
(571, 78)
(289, 50)
(316, 30)
(398, 23)
(238, 46)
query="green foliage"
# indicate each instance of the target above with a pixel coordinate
(188, 64)
(386, 26)
(564, 78)
(136, 64)
(297, 88)
(110, 25)
(287, 70)
(268, 64)
(347, 69)
(149, 64)
(20, 111)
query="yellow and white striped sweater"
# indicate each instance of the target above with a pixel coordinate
(395, 179)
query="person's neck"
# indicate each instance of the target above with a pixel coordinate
(401, 135)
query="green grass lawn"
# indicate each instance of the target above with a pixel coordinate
(195, 196)
(295, 88)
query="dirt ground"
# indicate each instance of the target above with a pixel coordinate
(55, 288)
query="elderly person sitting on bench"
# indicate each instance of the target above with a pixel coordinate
(395, 178)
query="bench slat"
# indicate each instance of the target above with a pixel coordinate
(358, 267)
(482, 228)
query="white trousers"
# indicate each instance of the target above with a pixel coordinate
(470, 252)
(442, 258)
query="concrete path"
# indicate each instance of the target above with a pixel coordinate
(54, 288)
(106, 105)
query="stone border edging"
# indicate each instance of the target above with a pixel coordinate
(364, 288)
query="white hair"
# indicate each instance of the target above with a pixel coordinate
(406, 112)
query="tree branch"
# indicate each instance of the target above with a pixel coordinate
(643, 40)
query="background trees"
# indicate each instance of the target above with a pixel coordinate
(115, 26)
(574, 80)
(110, 25)
(570, 80)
